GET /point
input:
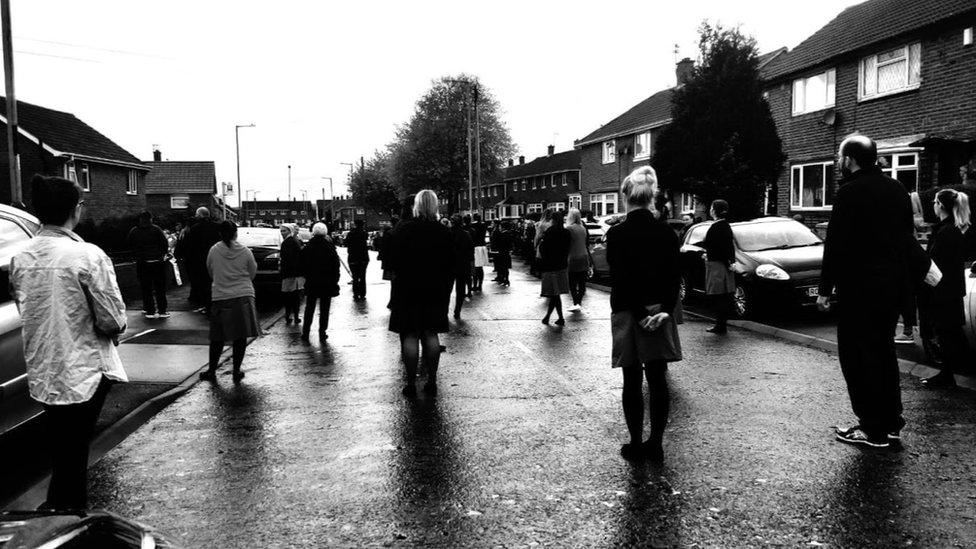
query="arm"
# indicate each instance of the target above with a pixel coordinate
(252, 265)
(104, 298)
(162, 245)
(210, 261)
(838, 232)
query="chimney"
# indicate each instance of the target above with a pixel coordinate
(521, 160)
(552, 150)
(683, 70)
(157, 155)
(511, 162)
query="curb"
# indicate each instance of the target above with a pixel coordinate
(115, 433)
(909, 367)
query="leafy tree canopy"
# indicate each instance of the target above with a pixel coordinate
(722, 142)
(373, 187)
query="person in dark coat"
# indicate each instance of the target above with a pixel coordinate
(150, 247)
(502, 242)
(320, 266)
(357, 245)
(553, 264)
(645, 275)
(943, 306)
(423, 260)
(193, 249)
(870, 258)
(290, 268)
(463, 261)
(719, 257)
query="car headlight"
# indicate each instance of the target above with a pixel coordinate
(273, 255)
(771, 272)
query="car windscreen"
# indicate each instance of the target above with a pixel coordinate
(757, 237)
(252, 238)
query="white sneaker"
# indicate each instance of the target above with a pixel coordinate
(163, 315)
(150, 315)
(573, 308)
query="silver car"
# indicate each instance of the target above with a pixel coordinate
(17, 227)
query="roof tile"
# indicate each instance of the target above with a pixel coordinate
(181, 177)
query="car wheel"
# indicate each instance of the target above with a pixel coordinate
(743, 304)
(683, 289)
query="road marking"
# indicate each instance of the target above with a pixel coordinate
(140, 334)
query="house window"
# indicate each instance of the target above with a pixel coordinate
(603, 204)
(181, 202)
(494, 191)
(534, 208)
(609, 151)
(687, 203)
(811, 186)
(535, 183)
(525, 185)
(903, 167)
(132, 187)
(814, 93)
(557, 207)
(576, 201)
(642, 146)
(890, 72)
(564, 179)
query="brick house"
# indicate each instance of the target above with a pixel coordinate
(56, 143)
(550, 182)
(345, 211)
(276, 212)
(178, 188)
(899, 71)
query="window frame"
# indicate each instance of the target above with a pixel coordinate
(132, 183)
(862, 94)
(830, 75)
(603, 199)
(576, 199)
(895, 167)
(609, 151)
(185, 197)
(535, 207)
(644, 155)
(687, 202)
(796, 203)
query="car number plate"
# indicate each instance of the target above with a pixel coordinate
(813, 291)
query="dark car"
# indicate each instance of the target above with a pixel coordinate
(61, 530)
(598, 243)
(777, 261)
(16, 406)
(265, 244)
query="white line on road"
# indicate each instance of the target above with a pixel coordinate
(140, 334)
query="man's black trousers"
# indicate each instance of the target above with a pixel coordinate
(358, 269)
(152, 280)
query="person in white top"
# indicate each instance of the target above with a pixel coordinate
(73, 315)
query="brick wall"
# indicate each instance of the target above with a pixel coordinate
(944, 104)
(108, 196)
(599, 177)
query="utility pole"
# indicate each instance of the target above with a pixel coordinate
(237, 148)
(13, 159)
(290, 197)
(477, 149)
(467, 109)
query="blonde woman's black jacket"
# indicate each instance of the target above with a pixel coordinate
(643, 254)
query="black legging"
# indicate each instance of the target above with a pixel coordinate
(460, 286)
(478, 277)
(217, 348)
(577, 286)
(633, 400)
(325, 304)
(722, 305)
(292, 301)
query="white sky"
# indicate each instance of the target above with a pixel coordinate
(326, 82)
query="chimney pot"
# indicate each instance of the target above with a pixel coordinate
(521, 160)
(552, 150)
(683, 70)
(157, 155)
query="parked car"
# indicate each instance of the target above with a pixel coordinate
(16, 406)
(66, 530)
(598, 247)
(971, 306)
(265, 244)
(777, 261)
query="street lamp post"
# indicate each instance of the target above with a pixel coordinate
(331, 198)
(237, 148)
(304, 202)
(351, 166)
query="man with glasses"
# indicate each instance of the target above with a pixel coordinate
(73, 314)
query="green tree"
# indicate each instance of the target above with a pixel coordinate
(722, 142)
(431, 150)
(373, 188)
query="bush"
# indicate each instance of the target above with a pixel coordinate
(109, 235)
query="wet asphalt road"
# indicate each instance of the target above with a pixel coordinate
(317, 447)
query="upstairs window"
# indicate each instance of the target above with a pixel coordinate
(609, 151)
(132, 186)
(890, 72)
(814, 93)
(563, 179)
(642, 146)
(525, 185)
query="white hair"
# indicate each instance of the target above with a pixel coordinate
(320, 229)
(425, 205)
(640, 187)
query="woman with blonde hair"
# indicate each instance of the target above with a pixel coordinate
(580, 260)
(943, 306)
(642, 252)
(423, 260)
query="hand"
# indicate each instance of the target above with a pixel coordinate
(934, 276)
(823, 304)
(653, 322)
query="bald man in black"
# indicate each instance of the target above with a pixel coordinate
(870, 256)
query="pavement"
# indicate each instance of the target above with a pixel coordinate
(520, 448)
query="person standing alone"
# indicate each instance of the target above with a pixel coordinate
(358, 248)
(580, 260)
(320, 265)
(463, 262)
(720, 254)
(73, 314)
(554, 256)
(150, 247)
(870, 259)
(291, 272)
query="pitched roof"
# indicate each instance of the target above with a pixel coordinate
(863, 25)
(65, 135)
(181, 177)
(559, 162)
(651, 112)
(766, 58)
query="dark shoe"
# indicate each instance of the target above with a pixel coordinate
(409, 391)
(858, 437)
(632, 452)
(441, 348)
(560, 322)
(719, 330)
(941, 380)
(305, 337)
(297, 321)
(545, 321)
(288, 321)
(430, 388)
(208, 375)
(457, 315)
(653, 450)
(322, 335)
(238, 376)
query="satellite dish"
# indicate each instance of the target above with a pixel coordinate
(829, 117)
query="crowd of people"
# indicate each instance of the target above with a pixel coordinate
(73, 313)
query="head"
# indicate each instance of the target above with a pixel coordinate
(719, 209)
(56, 201)
(687, 220)
(951, 203)
(145, 219)
(287, 230)
(639, 188)
(466, 219)
(203, 213)
(477, 218)
(425, 205)
(557, 219)
(446, 222)
(574, 217)
(360, 223)
(856, 152)
(320, 229)
(228, 232)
